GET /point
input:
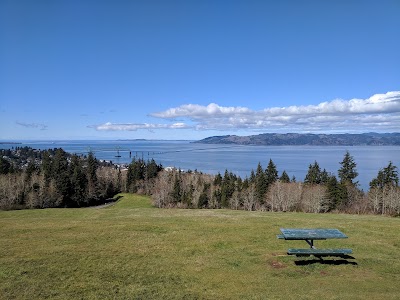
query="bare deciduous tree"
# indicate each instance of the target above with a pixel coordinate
(249, 198)
(313, 197)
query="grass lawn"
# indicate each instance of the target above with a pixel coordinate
(133, 251)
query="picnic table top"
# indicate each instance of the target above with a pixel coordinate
(311, 234)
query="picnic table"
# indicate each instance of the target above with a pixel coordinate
(309, 236)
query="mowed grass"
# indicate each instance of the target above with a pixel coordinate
(133, 251)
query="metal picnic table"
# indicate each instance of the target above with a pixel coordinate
(310, 235)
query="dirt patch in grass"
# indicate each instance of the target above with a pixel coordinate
(277, 265)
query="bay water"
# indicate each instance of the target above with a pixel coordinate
(238, 159)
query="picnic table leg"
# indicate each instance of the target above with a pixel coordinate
(311, 243)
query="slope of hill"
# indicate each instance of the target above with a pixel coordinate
(134, 251)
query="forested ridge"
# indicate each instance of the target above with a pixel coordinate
(54, 178)
(280, 139)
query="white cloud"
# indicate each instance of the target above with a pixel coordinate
(381, 112)
(32, 125)
(198, 111)
(134, 127)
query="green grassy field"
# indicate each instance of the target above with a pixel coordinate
(134, 251)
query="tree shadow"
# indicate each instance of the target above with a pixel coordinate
(337, 262)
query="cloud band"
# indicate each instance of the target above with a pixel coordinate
(380, 112)
(32, 125)
(134, 127)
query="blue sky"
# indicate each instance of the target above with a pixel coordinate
(192, 69)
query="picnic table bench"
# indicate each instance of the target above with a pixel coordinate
(310, 235)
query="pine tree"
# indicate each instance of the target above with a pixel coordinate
(227, 188)
(61, 175)
(30, 170)
(152, 169)
(217, 195)
(78, 182)
(239, 184)
(46, 167)
(252, 178)
(119, 181)
(204, 198)
(347, 173)
(324, 176)
(92, 177)
(271, 173)
(388, 176)
(218, 179)
(189, 195)
(260, 183)
(176, 192)
(391, 175)
(284, 177)
(5, 166)
(313, 175)
(246, 184)
(135, 173)
(92, 168)
(333, 193)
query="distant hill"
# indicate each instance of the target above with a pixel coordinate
(279, 139)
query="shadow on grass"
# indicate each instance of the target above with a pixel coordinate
(337, 262)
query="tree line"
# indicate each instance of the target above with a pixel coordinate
(60, 179)
(54, 178)
(320, 191)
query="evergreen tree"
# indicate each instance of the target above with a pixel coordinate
(135, 174)
(260, 183)
(252, 178)
(30, 170)
(92, 168)
(218, 196)
(271, 173)
(46, 167)
(176, 192)
(239, 184)
(324, 177)
(347, 173)
(119, 181)
(246, 184)
(61, 175)
(152, 169)
(284, 177)
(5, 166)
(391, 175)
(92, 177)
(218, 179)
(337, 194)
(189, 195)
(227, 188)
(388, 176)
(333, 193)
(313, 175)
(348, 191)
(204, 198)
(78, 183)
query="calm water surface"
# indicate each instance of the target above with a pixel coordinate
(237, 159)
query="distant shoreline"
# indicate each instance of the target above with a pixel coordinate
(305, 139)
(22, 141)
(264, 139)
